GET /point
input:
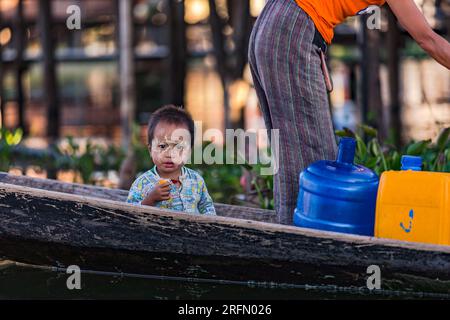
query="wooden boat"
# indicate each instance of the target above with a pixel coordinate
(51, 223)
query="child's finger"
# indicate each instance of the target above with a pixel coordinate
(165, 187)
(163, 182)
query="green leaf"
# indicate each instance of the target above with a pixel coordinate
(346, 132)
(15, 138)
(340, 133)
(373, 147)
(371, 163)
(443, 138)
(378, 171)
(361, 148)
(396, 161)
(417, 148)
(368, 130)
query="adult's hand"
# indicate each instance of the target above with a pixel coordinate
(412, 19)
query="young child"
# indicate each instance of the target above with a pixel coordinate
(169, 184)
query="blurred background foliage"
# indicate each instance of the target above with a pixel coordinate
(235, 184)
(68, 97)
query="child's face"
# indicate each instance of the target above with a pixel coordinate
(170, 147)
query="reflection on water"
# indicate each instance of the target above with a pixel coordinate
(20, 282)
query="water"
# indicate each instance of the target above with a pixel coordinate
(24, 282)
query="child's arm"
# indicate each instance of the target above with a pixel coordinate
(205, 205)
(136, 193)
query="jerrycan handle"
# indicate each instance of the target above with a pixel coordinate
(346, 153)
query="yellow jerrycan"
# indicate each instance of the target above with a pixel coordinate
(414, 205)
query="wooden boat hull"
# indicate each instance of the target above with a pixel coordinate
(60, 229)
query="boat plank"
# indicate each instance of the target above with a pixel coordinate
(215, 269)
(224, 210)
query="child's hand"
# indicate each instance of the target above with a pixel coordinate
(160, 192)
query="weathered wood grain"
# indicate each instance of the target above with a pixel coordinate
(4, 264)
(46, 227)
(121, 195)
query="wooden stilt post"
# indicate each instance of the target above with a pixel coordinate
(393, 40)
(242, 28)
(230, 63)
(19, 65)
(49, 74)
(178, 52)
(127, 73)
(127, 91)
(364, 66)
(218, 42)
(371, 103)
(2, 99)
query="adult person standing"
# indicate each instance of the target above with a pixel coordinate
(287, 62)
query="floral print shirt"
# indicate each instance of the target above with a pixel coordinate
(191, 197)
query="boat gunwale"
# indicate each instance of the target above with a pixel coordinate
(105, 193)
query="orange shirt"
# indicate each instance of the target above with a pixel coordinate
(326, 14)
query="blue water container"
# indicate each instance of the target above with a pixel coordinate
(338, 195)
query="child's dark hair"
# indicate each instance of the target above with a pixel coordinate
(173, 115)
